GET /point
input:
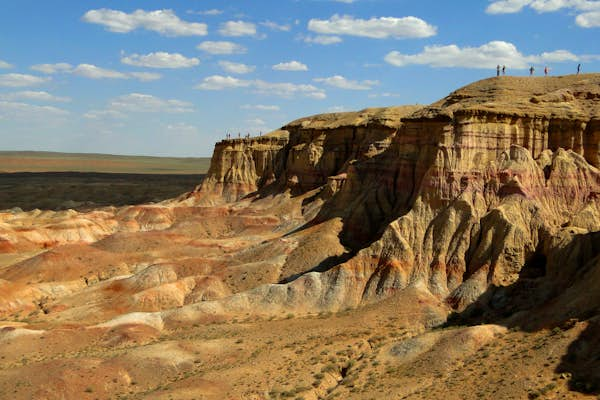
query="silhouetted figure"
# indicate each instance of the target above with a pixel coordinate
(504, 70)
(239, 135)
(531, 70)
(578, 68)
(546, 71)
(498, 70)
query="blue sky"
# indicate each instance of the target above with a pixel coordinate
(172, 77)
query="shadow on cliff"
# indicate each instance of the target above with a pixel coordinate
(555, 300)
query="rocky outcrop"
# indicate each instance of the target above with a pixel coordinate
(452, 197)
(241, 166)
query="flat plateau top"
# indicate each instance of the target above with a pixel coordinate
(568, 96)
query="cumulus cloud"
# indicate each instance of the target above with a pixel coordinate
(236, 68)
(256, 121)
(507, 6)
(589, 10)
(165, 22)
(340, 82)
(212, 11)
(104, 114)
(514, 6)
(221, 47)
(93, 72)
(120, 106)
(35, 96)
(52, 68)
(18, 110)
(589, 19)
(219, 82)
(290, 66)
(275, 26)
(160, 59)
(5, 65)
(375, 28)
(288, 89)
(237, 28)
(181, 129)
(323, 39)
(21, 80)
(145, 76)
(485, 56)
(284, 89)
(260, 107)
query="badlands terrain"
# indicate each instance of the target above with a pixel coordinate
(449, 251)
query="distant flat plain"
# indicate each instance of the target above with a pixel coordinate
(58, 181)
(41, 161)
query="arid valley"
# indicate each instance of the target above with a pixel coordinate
(446, 251)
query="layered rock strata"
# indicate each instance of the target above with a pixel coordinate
(452, 197)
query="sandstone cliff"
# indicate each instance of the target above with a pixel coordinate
(453, 197)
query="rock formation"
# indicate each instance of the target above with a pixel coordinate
(453, 197)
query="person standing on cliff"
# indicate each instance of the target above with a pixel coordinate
(578, 68)
(546, 70)
(504, 70)
(498, 70)
(531, 70)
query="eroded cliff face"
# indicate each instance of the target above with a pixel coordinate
(240, 166)
(453, 197)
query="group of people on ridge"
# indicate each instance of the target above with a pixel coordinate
(531, 70)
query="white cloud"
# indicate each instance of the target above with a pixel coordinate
(260, 107)
(256, 121)
(589, 10)
(275, 26)
(236, 68)
(21, 80)
(120, 106)
(340, 82)
(145, 103)
(384, 94)
(541, 6)
(218, 82)
(485, 56)
(288, 89)
(507, 6)
(213, 11)
(10, 110)
(34, 95)
(589, 19)
(237, 28)
(160, 59)
(104, 114)
(145, 76)
(221, 47)
(94, 72)
(52, 68)
(5, 65)
(323, 39)
(164, 22)
(375, 28)
(181, 129)
(290, 66)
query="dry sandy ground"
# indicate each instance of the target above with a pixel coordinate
(114, 319)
